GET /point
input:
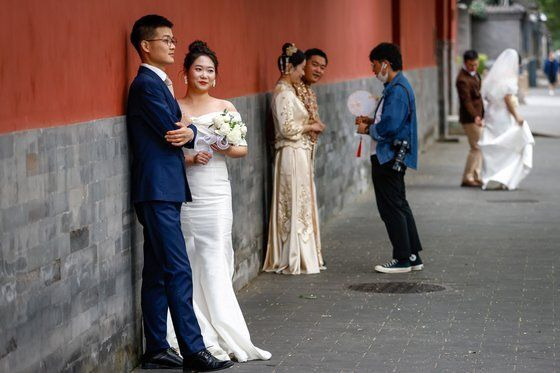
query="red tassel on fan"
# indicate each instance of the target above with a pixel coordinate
(359, 151)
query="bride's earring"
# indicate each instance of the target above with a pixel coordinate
(288, 68)
(186, 81)
(214, 83)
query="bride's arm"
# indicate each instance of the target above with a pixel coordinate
(201, 158)
(233, 151)
(189, 159)
(512, 109)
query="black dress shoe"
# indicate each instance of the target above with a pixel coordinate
(204, 361)
(168, 359)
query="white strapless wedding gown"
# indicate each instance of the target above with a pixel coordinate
(206, 224)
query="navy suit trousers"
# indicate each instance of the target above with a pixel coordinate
(166, 279)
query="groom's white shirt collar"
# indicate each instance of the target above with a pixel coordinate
(157, 70)
(471, 73)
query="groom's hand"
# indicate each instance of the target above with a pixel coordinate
(180, 136)
(202, 158)
(478, 121)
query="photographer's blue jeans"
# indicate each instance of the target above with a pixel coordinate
(394, 209)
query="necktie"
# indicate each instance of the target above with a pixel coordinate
(169, 85)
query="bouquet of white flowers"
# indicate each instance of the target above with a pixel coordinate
(229, 129)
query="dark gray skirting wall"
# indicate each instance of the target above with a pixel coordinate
(70, 246)
(68, 273)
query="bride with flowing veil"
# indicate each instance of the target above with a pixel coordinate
(506, 142)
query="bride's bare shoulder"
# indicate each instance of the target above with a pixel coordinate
(228, 105)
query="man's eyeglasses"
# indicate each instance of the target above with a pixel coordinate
(166, 40)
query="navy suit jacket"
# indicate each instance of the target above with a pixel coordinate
(158, 168)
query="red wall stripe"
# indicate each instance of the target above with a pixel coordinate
(67, 61)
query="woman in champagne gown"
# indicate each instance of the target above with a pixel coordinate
(506, 143)
(207, 220)
(293, 238)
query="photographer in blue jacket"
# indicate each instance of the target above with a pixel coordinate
(394, 128)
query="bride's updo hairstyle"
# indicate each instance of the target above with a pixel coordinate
(290, 54)
(196, 49)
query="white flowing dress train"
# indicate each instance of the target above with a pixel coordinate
(507, 147)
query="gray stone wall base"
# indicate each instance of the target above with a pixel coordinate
(67, 279)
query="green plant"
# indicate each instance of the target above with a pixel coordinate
(482, 60)
(552, 10)
(478, 8)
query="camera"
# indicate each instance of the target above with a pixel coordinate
(402, 147)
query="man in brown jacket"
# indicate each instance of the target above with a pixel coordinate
(471, 112)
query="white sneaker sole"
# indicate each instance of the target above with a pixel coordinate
(382, 269)
(419, 267)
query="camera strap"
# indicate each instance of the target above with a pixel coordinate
(408, 98)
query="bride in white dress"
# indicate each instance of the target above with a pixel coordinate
(207, 220)
(506, 142)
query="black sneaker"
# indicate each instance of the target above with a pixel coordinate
(416, 262)
(394, 266)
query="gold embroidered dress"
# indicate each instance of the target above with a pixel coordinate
(293, 236)
(306, 94)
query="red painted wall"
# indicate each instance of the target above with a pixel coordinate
(452, 19)
(446, 17)
(417, 33)
(67, 61)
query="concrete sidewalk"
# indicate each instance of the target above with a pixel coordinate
(543, 112)
(494, 253)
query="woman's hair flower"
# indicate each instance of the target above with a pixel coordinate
(291, 50)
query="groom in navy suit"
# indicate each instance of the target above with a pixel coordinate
(159, 187)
